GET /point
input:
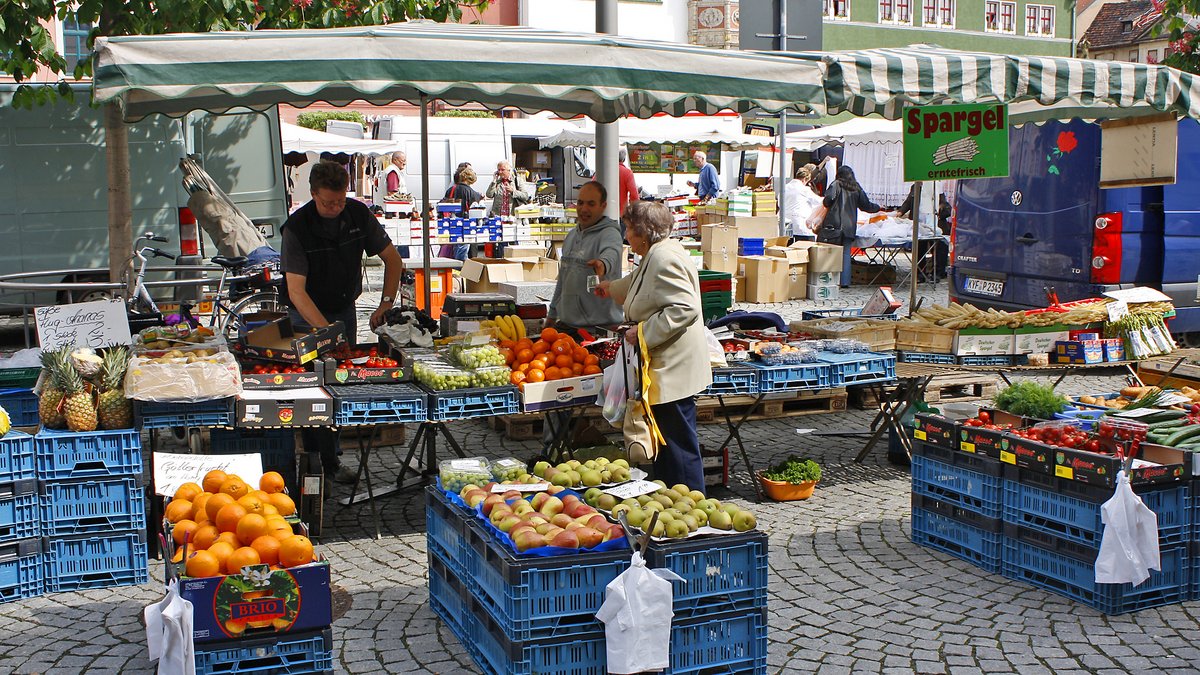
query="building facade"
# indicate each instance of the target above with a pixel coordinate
(1125, 31)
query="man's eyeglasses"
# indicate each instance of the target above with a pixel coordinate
(329, 205)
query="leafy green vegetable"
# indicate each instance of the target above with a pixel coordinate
(1031, 399)
(795, 471)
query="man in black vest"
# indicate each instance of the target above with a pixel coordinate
(323, 246)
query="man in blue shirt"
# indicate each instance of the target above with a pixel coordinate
(708, 183)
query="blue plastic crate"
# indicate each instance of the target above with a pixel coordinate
(924, 357)
(18, 510)
(378, 404)
(798, 376)
(535, 598)
(861, 368)
(21, 570)
(963, 487)
(449, 594)
(63, 455)
(751, 246)
(496, 653)
(1086, 418)
(92, 506)
(996, 360)
(719, 574)
(21, 406)
(216, 412)
(467, 403)
(446, 530)
(732, 382)
(976, 545)
(95, 561)
(1076, 579)
(1076, 516)
(16, 457)
(731, 642)
(292, 654)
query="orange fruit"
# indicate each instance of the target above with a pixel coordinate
(177, 510)
(524, 356)
(517, 377)
(205, 536)
(221, 551)
(576, 369)
(228, 538)
(295, 550)
(198, 511)
(269, 509)
(580, 354)
(591, 360)
(592, 370)
(203, 564)
(281, 532)
(262, 494)
(178, 557)
(540, 347)
(507, 344)
(251, 527)
(549, 334)
(188, 491)
(252, 504)
(521, 368)
(508, 355)
(243, 557)
(535, 375)
(523, 343)
(213, 479)
(553, 373)
(268, 549)
(271, 482)
(215, 504)
(184, 529)
(563, 361)
(283, 503)
(235, 487)
(228, 517)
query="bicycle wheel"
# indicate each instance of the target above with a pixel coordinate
(233, 323)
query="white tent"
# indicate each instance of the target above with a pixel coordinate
(873, 147)
(301, 139)
(856, 130)
(696, 129)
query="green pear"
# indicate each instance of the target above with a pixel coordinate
(576, 479)
(636, 517)
(621, 508)
(653, 506)
(632, 503)
(562, 479)
(692, 523)
(685, 504)
(660, 529)
(696, 495)
(591, 477)
(677, 529)
(731, 509)
(605, 502)
(700, 516)
(539, 469)
(619, 474)
(666, 501)
(644, 499)
(720, 520)
(744, 521)
(623, 463)
(681, 489)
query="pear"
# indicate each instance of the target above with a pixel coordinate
(720, 520)
(605, 502)
(744, 521)
(677, 529)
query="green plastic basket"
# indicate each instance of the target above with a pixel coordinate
(19, 377)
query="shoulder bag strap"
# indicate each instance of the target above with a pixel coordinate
(645, 386)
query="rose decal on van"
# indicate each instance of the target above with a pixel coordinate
(1065, 143)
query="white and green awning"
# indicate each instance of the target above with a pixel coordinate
(884, 81)
(603, 77)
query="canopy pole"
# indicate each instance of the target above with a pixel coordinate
(779, 190)
(426, 295)
(916, 243)
(608, 136)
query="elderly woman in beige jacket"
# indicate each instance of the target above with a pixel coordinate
(663, 297)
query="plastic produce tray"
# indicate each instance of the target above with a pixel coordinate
(963, 487)
(92, 507)
(994, 360)
(733, 381)
(95, 561)
(288, 655)
(21, 404)
(63, 455)
(21, 570)
(217, 412)
(980, 546)
(479, 402)
(1075, 515)
(377, 404)
(18, 510)
(926, 357)
(16, 457)
(862, 368)
(798, 376)
(719, 573)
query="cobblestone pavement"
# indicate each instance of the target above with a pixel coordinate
(849, 591)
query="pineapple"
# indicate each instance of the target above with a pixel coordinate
(113, 410)
(78, 407)
(52, 389)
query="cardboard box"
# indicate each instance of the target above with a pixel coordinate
(823, 291)
(283, 380)
(881, 302)
(766, 278)
(765, 227)
(519, 251)
(1114, 349)
(1079, 351)
(560, 393)
(709, 214)
(277, 340)
(311, 407)
(795, 255)
(823, 278)
(739, 289)
(797, 281)
(539, 269)
(983, 342)
(824, 257)
(718, 238)
(1101, 469)
(721, 261)
(1038, 339)
(529, 292)
(484, 275)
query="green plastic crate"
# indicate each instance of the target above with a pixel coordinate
(19, 377)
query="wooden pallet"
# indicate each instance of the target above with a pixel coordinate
(947, 388)
(789, 404)
(529, 426)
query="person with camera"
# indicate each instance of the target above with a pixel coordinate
(507, 190)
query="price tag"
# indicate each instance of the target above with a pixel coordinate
(529, 487)
(1137, 412)
(920, 434)
(1064, 472)
(1117, 310)
(1172, 398)
(966, 447)
(464, 465)
(634, 488)
(1008, 457)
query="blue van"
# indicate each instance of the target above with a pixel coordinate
(1049, 227)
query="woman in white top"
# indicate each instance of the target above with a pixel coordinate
(799, 200)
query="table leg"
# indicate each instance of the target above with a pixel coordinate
(878, 425)
(364, 455)
(155, 520)
(558, 447)
(735, 434)
(432, 460)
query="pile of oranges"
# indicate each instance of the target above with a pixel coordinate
(555, 356)
(228, 525)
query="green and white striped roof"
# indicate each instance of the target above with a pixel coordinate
(884, 81)
(604, 77)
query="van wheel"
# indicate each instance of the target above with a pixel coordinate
(1189, 340)
(65, 297)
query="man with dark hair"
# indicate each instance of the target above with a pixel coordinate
(593, 248)
(323, 246)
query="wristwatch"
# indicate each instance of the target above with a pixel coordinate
(387, 298)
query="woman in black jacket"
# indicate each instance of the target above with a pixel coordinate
(844, 199)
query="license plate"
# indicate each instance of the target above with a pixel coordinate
(984, 287)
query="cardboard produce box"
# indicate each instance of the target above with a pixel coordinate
(823, 278)
(983, 342)
(484, 275)
(560, 393)
(1039, 339)
(279, 341)
(721, 261)
(797, 281)
(521, 251)
(823, 291)
(538, 269)
(312, 407)
(718, 238)
(766, 278)
(795, 255)
(764, 227)
(739, 289)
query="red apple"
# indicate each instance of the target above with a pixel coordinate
(489, 485)
(594, 521)
(573, 525)
(475, 498)
(511, 494)
(539, 499)
(525, 540)
(555, 489)
(588, 537)
(508, 522)
(614, 532)
(490, 503)
(565, 539)
(543, 528)
(561, 520)
(498, 512)
(552, 506)
(520, 526)
(521, 507)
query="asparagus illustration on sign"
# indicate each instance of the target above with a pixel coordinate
(962, 150)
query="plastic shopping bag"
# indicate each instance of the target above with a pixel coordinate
(716, 353)
(613, 395)
(637, 618)
(1129, 545)
(816, 218)
(169, 633)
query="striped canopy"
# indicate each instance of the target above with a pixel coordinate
(884, 81)
(603, 77)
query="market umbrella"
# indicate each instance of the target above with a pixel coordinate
(659, 130)
(857, 130)
(604, 77)
(303, 140)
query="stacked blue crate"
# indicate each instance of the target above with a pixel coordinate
(20, 549)
(957, 504)
(92, 510)
(305, 652)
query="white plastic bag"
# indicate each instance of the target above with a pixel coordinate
(169, 633)
(637, 618)
(1129, 545)
(716, 353)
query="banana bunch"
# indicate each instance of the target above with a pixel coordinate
(509, 327)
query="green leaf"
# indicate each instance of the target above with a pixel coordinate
(1053, 170)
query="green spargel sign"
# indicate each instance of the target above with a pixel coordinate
(953, 142)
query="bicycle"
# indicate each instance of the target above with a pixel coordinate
(140, 307)
(244, 291)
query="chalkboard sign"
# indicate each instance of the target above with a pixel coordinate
(171, 471)
(85, 324)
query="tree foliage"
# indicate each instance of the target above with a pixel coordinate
(316, 119)
(1181, 25)
(26, 43)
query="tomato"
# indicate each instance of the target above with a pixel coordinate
(1092, 445)
(973, 423)
(985, 417)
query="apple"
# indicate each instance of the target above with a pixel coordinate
(500, 512)
(490, 503)
(534, 518)
(569, 500)
(520, 527)
(508, 522)
(593, 520)
(540, 468)
(573, 525)
(543, 528)
(614, 532)
(476, 498)
(562, 519)
(521, 507)
(565, 539)
(527, 539)
(539, 499)
(552, 506)
(588, 537)
(511, 494)
(489, 485)
(555, 489)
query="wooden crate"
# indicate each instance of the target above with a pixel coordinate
(913, 336)
(1185, 375)
(785, 404)
(880, 336)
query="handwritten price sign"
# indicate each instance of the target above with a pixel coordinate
(86, 324)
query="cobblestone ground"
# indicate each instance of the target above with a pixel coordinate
(849, 591)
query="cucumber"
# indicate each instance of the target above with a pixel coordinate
(1169, 424)
(1177, 438)
(1163, 416)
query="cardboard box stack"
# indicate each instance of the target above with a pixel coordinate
(719, 248)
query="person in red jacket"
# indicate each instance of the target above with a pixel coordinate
(627, 190)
